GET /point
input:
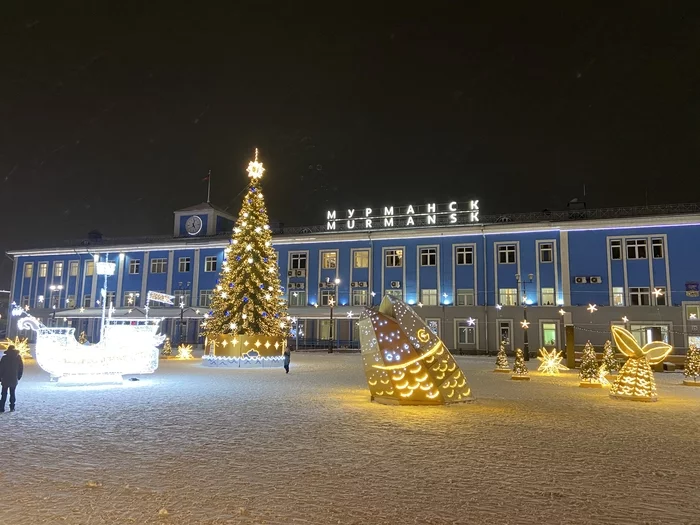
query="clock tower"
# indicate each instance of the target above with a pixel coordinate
(202, 220)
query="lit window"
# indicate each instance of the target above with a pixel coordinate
(359, 297)
(465, 297)
(393, 258)
(134, 266)
(508, 296)
(28, 270)
(89, 268)
(546, 252)
(639, 297)
(361, 259)
(297, 298)
(158, 265)
(506, 254)
(547, 298)
(43, 269)
(58, 269)
(636, 248)
(131, 299)
(428, 297)
(298, 261)
(428, 256)
(183, 264)
(549, 334)
(209, 263)
(73, 268)
(657, 248)
(692, 312)
(464, 254)
(205, 297)
(616, 249)
(618, 296)
(329, 260)
(326, 296)
(70, 301)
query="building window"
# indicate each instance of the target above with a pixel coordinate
(428, 297)
(464, 254)
(660, 297)
(298, 261)
(131, 299)
(158, 265)
(324, 329)
(692, 312)
(395, 292)
(70, 301)
(361, 259)
(465, 297)
(428, 256)
(639, 297)
(546, 252)
(393, 258)
(549, 334)
(134, 266)
(110, 297)
(359, 297)
(657, 248)
(28, 270)
(327, 296)
(297, 298)
(466, 335)
(210, 263)
(25, 301)
(58, 269)
(616, 249)
(506, 254)
(89, 268)
(508, 296)
(183, 264)
(636, 248)
(329, 260)
(504, 330)
(87, 301)
(73, 268)
(547, 297)
(182, 297)
(205, 297)
(618, 296)
(43, 269)
(434, 326)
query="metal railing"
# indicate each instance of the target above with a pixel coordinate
(322, 344)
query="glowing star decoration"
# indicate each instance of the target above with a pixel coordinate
(255, 169)
(693, 317)
(21, 345)
(471, 321)
(624, 319)
(525, 324)
(636, 380)
(184, 352)
(405, 362)
(562, 311)
(592, 308)
(550, 362)
(349, 314)
(658, 292)
(499, 306)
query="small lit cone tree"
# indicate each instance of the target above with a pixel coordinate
(82, 338)
(167, 348)
(502, 364)
(589, 375)
(610, 363)
(636, 379)
(248, 318)
(691, 367)
(520, 372)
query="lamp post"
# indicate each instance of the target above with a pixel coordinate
(331, 304)
(184, 298)
(525, 324)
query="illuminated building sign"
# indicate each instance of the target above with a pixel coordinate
(408, 216)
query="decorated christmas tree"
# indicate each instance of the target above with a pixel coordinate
(248, 317)
(691, 368)
(589, 375)
(519, 369)
(167, 348)
(82, 338)
(610, 363)
(502, 360)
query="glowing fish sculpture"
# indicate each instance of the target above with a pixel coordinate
(636, 379)
(405, 362)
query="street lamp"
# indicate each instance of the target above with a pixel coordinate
(331, 304)
(525, 324)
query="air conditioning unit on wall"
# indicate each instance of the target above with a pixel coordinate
(396, 284)
(580, 280)
(300, 273)
(362, 284)
(595, 279)
(353, 284)
(290, 273)
(301, 286)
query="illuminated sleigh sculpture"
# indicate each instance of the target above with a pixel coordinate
(126, 347)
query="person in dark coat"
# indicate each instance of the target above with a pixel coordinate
(11, 369)
(287, 358)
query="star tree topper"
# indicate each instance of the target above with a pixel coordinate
(255, 169)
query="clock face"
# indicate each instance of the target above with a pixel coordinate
(193, 225)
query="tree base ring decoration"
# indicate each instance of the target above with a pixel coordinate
(502, 370)
(405, 362)
(245, 351)
(688, 382)
(586, 384)
(520, 378)
(635, 381)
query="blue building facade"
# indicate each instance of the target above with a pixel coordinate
(474, 282)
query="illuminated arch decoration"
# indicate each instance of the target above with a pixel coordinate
(636, 379)
(245, 351)
(405, 362)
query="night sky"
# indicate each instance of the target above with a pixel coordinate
(111, 117)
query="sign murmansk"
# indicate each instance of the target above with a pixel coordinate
(402, 217)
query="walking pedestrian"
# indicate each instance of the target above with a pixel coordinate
(11, 369)
(287, 358)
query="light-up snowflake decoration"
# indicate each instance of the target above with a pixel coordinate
(550, 362)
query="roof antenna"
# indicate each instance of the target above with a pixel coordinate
(209, 187)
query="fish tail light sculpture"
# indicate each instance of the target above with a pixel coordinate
(636, 379)
(405, 362)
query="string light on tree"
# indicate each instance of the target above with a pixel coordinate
(588, 375)
(520, 372)
(691, 367)
(502, 364)
(609, 364)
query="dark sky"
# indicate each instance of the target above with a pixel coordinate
(111, 116)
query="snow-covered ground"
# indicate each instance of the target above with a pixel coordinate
(258, 446)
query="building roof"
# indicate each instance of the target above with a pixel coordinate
(205, 206)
